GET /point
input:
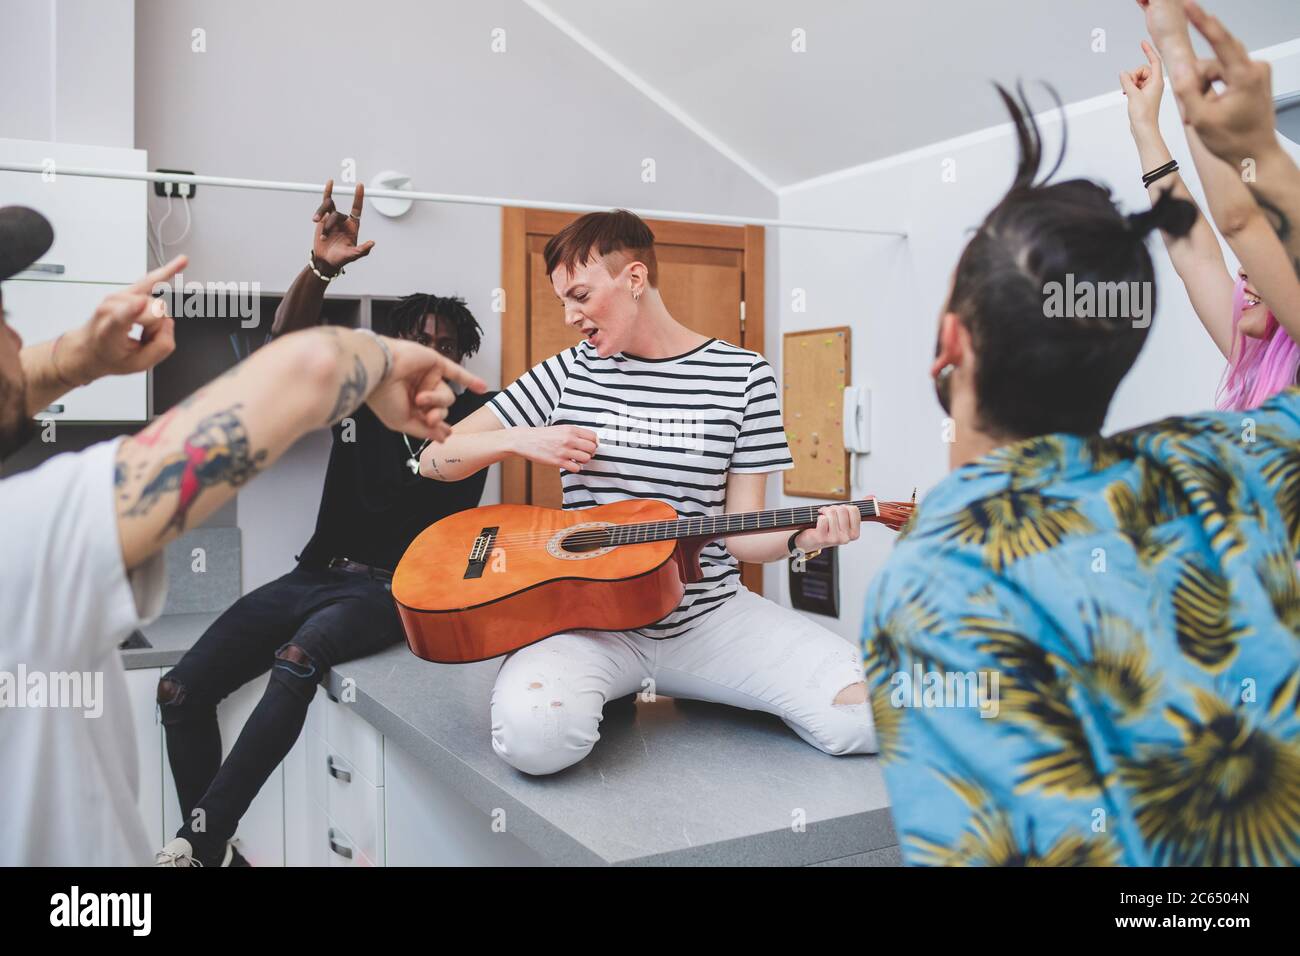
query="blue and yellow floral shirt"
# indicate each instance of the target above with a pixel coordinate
(1087, 650)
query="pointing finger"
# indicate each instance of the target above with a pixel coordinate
(458, 373)
(161, 274)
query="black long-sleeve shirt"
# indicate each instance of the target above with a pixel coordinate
(373, 506)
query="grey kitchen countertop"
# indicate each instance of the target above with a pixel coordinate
(170, 637)
(671, 782)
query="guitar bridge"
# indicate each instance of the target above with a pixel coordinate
(478, 553)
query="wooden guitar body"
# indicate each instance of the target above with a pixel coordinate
(484, 582)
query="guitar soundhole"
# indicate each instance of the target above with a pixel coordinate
(583, 541)
(588, 540)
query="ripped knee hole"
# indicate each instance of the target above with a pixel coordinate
(170, 691)
(295, 660)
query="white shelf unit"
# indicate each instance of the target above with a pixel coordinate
(100, 227)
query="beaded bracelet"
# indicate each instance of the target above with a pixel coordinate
(311, 264)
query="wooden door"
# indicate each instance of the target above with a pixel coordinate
(711, 280)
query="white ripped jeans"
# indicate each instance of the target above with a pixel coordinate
(549, 697)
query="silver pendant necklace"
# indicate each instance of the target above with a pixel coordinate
(413, 462)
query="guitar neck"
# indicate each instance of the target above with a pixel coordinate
(720, 526)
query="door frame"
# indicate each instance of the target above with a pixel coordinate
(518, 224)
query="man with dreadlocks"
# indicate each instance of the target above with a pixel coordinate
(335, 606)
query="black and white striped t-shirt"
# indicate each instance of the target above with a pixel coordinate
(669, 429)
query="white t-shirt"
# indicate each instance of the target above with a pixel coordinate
(69, 780)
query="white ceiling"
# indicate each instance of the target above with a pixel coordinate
(878, 78)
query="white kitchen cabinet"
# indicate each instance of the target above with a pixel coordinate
(430, 824)
(334, 798)
(301, 805)
(100, 229)
(42, 309)
(326, 804)
(142, 688)
(100, 225)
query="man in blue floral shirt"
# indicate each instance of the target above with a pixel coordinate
(1086, 650)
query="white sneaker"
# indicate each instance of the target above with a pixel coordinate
(181, 853)
(177, 853)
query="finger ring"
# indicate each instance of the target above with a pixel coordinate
(354, 216)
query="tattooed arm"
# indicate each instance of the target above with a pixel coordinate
(187, 463)
(1277, 190)
(481, 440)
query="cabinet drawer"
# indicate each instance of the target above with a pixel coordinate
(40, 310)
(355, 804)
(99, 224)
(354, 739)
(341, 849)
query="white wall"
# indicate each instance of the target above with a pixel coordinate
(289, 90)
(66, 69)
(891, 291)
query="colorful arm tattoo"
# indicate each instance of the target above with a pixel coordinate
(217, 452)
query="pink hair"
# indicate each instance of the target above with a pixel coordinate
(1258, 368)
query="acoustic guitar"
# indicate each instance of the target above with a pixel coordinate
(488, 581)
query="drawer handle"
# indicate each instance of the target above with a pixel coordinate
(339, 848)
(53, 268)
(53, 410)
(338, 773)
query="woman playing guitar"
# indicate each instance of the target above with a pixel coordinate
(645, 408)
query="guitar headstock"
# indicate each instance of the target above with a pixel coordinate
(894, 514)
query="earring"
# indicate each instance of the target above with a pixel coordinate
(943, 388)
(636, 296)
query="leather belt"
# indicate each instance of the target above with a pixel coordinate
(356, 567)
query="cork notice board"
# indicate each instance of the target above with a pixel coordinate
(814, 372)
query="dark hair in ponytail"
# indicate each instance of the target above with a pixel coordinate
(1042, 363)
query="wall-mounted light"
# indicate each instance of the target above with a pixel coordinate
(387, 205)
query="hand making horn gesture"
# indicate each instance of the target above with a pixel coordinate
(335, 242)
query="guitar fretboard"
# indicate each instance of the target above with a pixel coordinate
(723, 525)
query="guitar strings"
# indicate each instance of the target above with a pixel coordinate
(657, 526)
(891, 512)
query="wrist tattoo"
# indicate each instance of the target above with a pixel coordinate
(352, 392)
(383, 347)
(1281, 224)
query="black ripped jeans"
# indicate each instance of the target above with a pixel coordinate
(298, 627)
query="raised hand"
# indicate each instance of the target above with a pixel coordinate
(1237, 123)
(109, 343)
(414, 396)
(335, 242)
(1167, 25)
(1144, 88)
